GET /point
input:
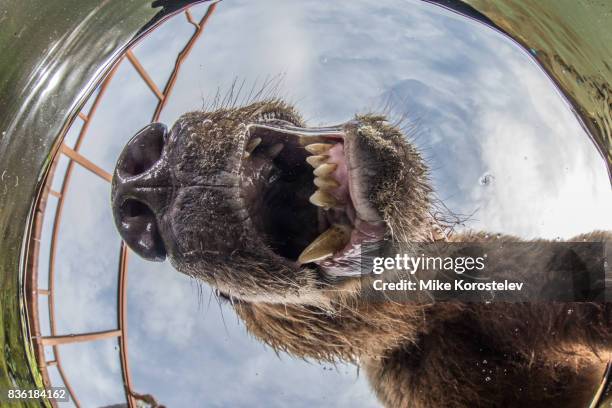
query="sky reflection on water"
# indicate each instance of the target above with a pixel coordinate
(503, 146)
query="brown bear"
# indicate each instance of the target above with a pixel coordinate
(273, 214)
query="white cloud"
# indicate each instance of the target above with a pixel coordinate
(482, 107)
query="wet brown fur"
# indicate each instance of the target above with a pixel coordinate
(430, 355)
(451, 354)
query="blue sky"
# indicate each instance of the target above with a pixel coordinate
(475, 104)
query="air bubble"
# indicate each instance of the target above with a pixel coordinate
(486, 179)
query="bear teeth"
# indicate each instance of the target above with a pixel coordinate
(326, 183)
(318, 148)
(323, 176)
(327, 244)
(323, 199)
(274, 150)
(325, 169)
(251, 145)
(316, 161)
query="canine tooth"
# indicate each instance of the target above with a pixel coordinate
(316, 161)
(326, 183)
(326, 244)
(325, 169)
(322, 199)
(253, 143)
(275, 150)
(318, 148)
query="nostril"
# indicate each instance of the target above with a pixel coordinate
(140, 191)
(134, 208)
(143, 150)
(139, 230)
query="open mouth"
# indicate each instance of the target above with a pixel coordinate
(303, 196)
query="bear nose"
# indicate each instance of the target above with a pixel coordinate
(141, 190)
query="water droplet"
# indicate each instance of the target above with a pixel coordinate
(487, 378)
(486, 179)
(484, 361)
(570, 311)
